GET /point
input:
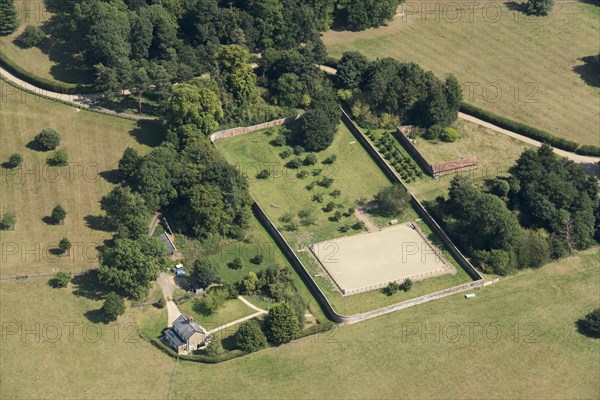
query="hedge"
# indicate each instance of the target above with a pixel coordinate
(531, 132)
(42, 83)
(230, 355)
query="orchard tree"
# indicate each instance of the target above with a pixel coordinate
(113, 306)
(9, 220)
(282, 323)
(61, 279)
(64, 245)
(9, 18)
(15, 160)
(539, 7)
(59, 159)
(58, 214)
(249, 337)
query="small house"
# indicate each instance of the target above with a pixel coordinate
(185, 335)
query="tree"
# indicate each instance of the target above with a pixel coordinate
(58, 214)
(282, 323)
(9, 18)
(211, 301)
(142, 84)
(113, 306)
(236, 74)
(532, 250)
(318, 130)
(351, 69)
(196, 104)
(126, 211)
(392, 200)
(590, 325)
(237, 263)
(363, 14)
(61, 279)
(249, 284)
(204, 272)
(131, 265)
(64, 245)
(129, 164)
(539, 7)
(15, 160)
(48, 139)
(31, 36)
(215, 348)
(407, 284)
(9, 220)
(59, 159)
(249, 337)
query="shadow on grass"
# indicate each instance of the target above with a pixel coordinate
(98, 223)
(149, 133)
(584, 329)
(111, 176)
(515, 6)
(96, 317)
(590, 70)
(88, 285)
(48, 220)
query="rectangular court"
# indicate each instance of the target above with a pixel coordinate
(370, 261)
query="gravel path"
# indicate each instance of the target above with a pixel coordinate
(259, 311)
(168, 287)
(362, 216)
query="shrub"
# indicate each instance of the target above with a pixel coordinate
(310, 186)
(287, 217)
(64, 245)
(434, 132)
(211, 302)
(61, 279)
(215, 349)
(294, 163)
(317, 171)
(325, 182)
(407, 284)
(590, 325)
(291, 226)
(329, 207)
(310, 159)
(318, 197)
(299, 150)
(15, 160)
(264, 174)
(335, 193)
(344, 228)
(9, 220)
(31, 36)
(257, 259)
(249, 337)
(280, 140)
(330, 160)
(359, 226)
(237, 263)
(449, 135)
(160, 303)
(48, 139)
(285, 154)
(59, 159)
(302, 174)
(391, 288)
(337, 216)
(113, 306)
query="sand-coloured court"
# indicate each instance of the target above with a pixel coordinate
(370, 261)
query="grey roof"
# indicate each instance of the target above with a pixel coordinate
(167, 242)
(173, 338)
(185, 329)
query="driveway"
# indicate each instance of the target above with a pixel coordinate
(168, 287)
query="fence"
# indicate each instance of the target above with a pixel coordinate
(438, 169)
(241, 130)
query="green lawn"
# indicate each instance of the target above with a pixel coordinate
(231, 311)
(529, 349)
(95, 143)
(525, 68)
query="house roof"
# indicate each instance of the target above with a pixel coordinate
(186, 328)
(167, 242)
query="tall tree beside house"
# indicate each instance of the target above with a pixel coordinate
(9, 18)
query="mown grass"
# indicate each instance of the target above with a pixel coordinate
(525, 68)
(231, 311)
(536, 353)
(95, 143)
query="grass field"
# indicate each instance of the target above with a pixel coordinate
(94, 143)
(525, 68)
(49, 62)
(533, 351)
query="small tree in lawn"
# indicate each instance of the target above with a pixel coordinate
(64, 245)
(59, 159)
(282, 323)
(61, 279)
(9, 220)
(249, 337)
(31, 36)
(590, 325)
(58, 214)
(237, 263)
(539, 7)
(113, 306)
(15, 160)
(48, 139)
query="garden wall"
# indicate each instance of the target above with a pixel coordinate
(241, 130)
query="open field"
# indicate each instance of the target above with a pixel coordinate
(532, 352)
(354, 173)
(525, 68)
(94, 143)
(47, 62)
(358, 262)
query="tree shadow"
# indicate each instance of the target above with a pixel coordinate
(7, 165)
(88, 285)
(592, 169)
(48, 220)
(96, 316)
(32, 145)
(589, 71)
(57, 251)
(111, 176)
(148, 132)
(98, 223)
(515, 6)
(582, 327)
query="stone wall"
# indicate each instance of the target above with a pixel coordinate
(241, 130)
